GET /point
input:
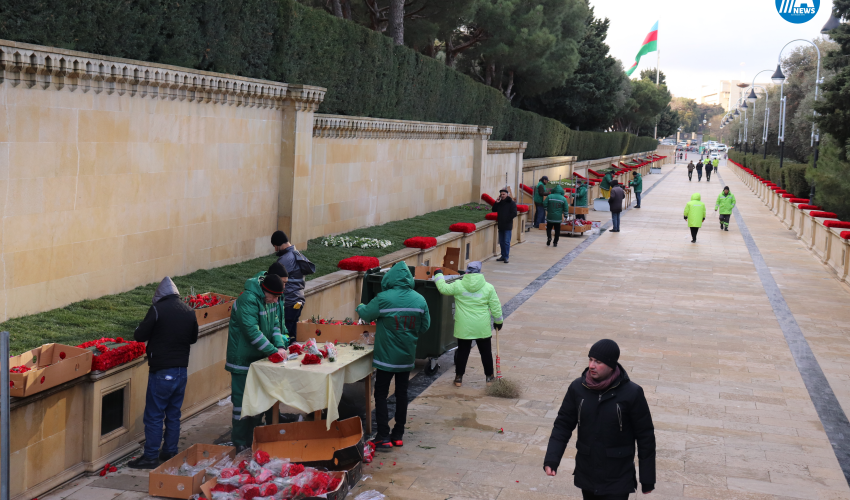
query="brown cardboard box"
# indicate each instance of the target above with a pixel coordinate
(339, 494)
(166, 485)
(50, 365)
(312, 444)
(328, 333)
(452, 258)
(579, 210)
(215, 313)
(427, 272)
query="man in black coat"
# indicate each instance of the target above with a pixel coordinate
(505, 209)
(169, 328)
(612, 414)
(615, 203)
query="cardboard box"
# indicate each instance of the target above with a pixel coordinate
(427, 272)
(312, 444)
(569, 227)
(328, 333)
(161, 484)
(50, 365)
(452, 258)
(339, 494)
(579, 210)
(215, 313)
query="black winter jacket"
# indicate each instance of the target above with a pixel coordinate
(506, 213)
(169, 328)
(615, 199)
(609, 423)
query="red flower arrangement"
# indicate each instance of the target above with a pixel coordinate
(828, 215)
(787, 195)
(201, 301)
(845, 235)
(526, 189)
(358, 263)
(840, 224)
(462, 227)
(799, 200)
(311, 359)
(275, 358)
(296, 349)
(421, 242)
(488, 199)
(808, 207)
(492, 216)
(19, 369)
(108, 357)
(522, 209)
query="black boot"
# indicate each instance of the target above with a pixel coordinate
(548, 241)
(143, 463)
(165, 456)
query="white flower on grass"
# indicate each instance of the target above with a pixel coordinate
(354, 242)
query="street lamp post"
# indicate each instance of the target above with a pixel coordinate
(752, 98)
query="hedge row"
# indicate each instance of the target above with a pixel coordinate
(281, 40)
(792, 176)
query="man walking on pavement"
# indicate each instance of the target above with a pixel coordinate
(297, 266)
(615, 203)
(505, 209)
(699, 170)
(170, 327)
(691, 168)
(402, 315)
(637, 184)
(612, 415)
(695, 215)
(708, 168)
(556, 206)
(540, 193)
(725, 203)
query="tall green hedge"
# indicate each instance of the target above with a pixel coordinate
(792, 176)
(281, 40)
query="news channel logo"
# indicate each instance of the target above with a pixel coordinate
(797, 11)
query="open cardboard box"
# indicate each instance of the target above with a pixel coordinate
(328, 333)
(427, 272)
(312, 444)
(210, 314)
(338, 494)
(161, 484)
(50, 365)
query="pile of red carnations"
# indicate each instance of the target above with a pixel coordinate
(488, 199)
(828, 215)
(322, 321)
(109, 352)
(201, 301)
(492, 216)
(421, 242)
(358, 263)
(522, 208)
(19, 369)
(462, 227)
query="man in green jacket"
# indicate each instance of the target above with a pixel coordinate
(695, 215)
(580, 197)
(605, 186)
(476, 303)
(725, 203)
(402, 315)
(556, 206)
(637, 185)
(540, 193)
(253, 334)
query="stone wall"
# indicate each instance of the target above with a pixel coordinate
(503, 166)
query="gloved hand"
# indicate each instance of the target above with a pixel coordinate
(498, 326)
(438, 271)
(686, 217)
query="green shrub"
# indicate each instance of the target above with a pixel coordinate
(281, 40)
(795, 179)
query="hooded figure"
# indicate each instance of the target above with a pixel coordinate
(556, 206)
(170, 327)
(476, 305)
(402, 315)
(725, 203)
(695, 215)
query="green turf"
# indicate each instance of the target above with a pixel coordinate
(118, 315)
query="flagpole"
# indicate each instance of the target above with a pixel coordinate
(657, 82)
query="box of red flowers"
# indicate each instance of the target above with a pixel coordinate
(210, 307)
(163, 482)
(45, 367)
(331, 330)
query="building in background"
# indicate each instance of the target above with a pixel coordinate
(726, 93)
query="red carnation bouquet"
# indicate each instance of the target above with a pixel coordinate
(488, 199)
(420, 242)
(840, 224)
(826, 215)
(808, 207)
(358, 263)
(522, 209)
(202, 301)
(492, 216)
(462, 227)
(109, 352)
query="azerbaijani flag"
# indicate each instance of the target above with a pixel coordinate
(650, 44)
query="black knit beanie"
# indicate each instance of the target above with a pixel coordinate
(279, 238)
(606, 351)
(278, 269)
(273, 284)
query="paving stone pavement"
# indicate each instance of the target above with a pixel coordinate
(733, 417)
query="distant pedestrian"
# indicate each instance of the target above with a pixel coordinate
(580, 197)
(716, 163)
(605, 185)
(725, 203)
(695, 215)
(691, 168)
(637, 184)
(505, 209)
(612, 415)
(615, 203)
(556, 206)
(540, 193)
(708, 168)
(699, 170)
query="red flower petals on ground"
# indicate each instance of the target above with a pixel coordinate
(462, 227)
(358, 263)
(421, 242)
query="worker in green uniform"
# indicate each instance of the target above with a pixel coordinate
(637, 185)
(605, 186)
(556, 206)
(540, 193)
(580, 197)
(725, 203)
(402, 315)
(695, 215)
(253, 334)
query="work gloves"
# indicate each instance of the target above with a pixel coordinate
(498, 326)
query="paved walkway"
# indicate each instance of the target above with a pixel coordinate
(733, 417)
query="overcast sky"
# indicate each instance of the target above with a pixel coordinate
(704, 42)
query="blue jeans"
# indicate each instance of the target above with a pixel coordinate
(615, 216)
(637, 196)
(505, 243)
(166, 388)
(699, 175)
(290, 320)
(539, 215)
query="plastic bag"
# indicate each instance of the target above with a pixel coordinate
(291, 470)
(282, 482)
(264, 476)
(332, 354)
(237, 480)
(220, 495)
(216, 468)
(370, 495)
(172, 471)
(311, 348)
(191, 470)
(254, 468)
(276, 465)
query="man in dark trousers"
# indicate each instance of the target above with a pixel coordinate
(612, 415)
(699, 170)
(505, 209)
(169, 328)
(540, 193)
(297, 267)
(691, 168)
(637, 184)
(615, 203)
(708, 168)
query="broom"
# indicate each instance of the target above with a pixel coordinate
(502, 387)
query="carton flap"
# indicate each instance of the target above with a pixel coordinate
(308, 441)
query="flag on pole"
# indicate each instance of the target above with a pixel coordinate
(650, 44)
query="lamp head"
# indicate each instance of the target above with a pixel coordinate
(737, 113)
(752, 97)
(830, 25)
(778, 77)
(744, 105)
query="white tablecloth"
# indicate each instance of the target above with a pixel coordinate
(308, 388)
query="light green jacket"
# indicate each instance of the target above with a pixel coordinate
(476, 303)
(725, 204)
(695, 211)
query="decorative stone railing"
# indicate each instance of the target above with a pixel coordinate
(349, 127)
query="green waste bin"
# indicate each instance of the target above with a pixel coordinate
(439, 337)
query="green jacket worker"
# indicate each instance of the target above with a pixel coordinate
(725, 203)
(605, 185)
(253, 334)
(402, 315)
(556, 206)
(695, 215)
(580, 197)
(540, 193)
(637, 186)
(476, 304)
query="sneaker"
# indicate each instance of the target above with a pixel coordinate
(164, 456)
(383, 445)
(458, 380)
(144, 463)
(548, 241)
(398, 443)
(490, 380)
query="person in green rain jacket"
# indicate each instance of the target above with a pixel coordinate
(476, 303)
(402, 315)
(540, 193)
(695, 215)
(605, 185)
(725, 203)
(556, 206)
(254, 333)
(637, 185)
(580, 197)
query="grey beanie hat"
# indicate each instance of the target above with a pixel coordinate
(473, 267)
